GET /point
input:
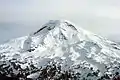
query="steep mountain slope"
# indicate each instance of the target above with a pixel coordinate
(67, 45)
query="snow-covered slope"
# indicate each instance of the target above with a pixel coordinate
(66, 44)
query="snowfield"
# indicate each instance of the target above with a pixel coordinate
(66, 45)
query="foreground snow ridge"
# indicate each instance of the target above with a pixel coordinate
(65, 44)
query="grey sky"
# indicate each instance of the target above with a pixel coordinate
(20, 17)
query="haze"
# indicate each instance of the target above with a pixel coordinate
(20, 17)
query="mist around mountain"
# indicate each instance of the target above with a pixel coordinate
(60, 50)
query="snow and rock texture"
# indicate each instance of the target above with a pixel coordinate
(67, 45)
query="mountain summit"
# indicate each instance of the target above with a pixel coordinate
(67, 45)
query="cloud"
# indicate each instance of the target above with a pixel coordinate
(98, 16)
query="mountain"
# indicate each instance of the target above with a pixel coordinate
(64, 44)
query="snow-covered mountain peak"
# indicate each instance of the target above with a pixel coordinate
(52, 24)
(56, 31)
(62, 30)
(65, 43)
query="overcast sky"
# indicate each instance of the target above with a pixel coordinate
(20, 17)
